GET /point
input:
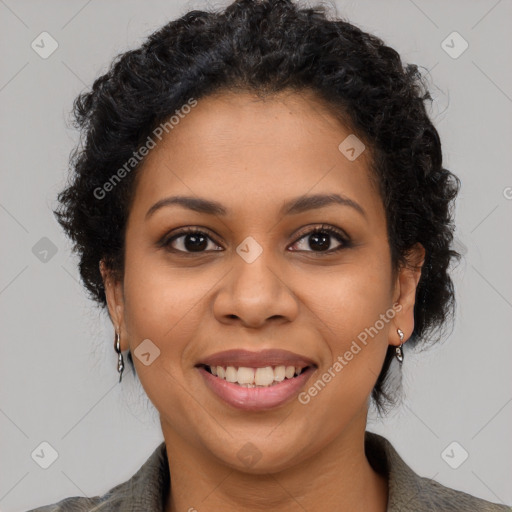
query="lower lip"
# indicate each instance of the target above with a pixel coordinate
(256, 399)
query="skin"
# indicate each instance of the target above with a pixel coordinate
(252, 155)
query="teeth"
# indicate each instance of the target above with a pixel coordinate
(231, 374)
(264, 376)
(289, 372)
(245, 375)
(279, 373)
(252, 377)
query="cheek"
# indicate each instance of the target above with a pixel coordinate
(157, 297)
(154, 300)
(352, 297)
(357, 341)
(162, 303)
(157, 308)
(354, 304)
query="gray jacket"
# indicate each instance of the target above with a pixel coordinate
(146, 490)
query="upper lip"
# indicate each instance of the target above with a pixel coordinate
(249, 359)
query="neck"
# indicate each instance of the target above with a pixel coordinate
(339, 477)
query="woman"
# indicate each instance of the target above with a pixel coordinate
(261, 205)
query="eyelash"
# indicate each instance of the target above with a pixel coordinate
(338, 235)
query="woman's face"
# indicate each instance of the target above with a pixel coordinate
(258, 278)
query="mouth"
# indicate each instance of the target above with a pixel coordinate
(248, 377)
(256, 380)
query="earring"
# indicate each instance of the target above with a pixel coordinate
(120, 362)
(399, 353)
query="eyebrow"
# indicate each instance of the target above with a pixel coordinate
(291, 207)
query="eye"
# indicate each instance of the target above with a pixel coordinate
(188, 240)
(195, 240)
(320, 240)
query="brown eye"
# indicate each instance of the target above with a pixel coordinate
(321, 240)
(190, 240)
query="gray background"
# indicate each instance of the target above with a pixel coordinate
(58, 379)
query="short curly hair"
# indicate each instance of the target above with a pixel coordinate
(267, 46)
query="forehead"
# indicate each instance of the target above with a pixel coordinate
(241, 149)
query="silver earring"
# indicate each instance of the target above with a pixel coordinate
(120, 362)
(399, 353)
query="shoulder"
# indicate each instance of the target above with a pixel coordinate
(411, 492)
(145, 490)
(434, 496)
(114, 500)
(76, 504)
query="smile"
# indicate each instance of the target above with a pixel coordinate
(255, 377)
(256, 381)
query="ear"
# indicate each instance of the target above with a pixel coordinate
(115, 302)
(405, 293)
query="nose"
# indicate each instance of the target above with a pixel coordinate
(256, 293)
